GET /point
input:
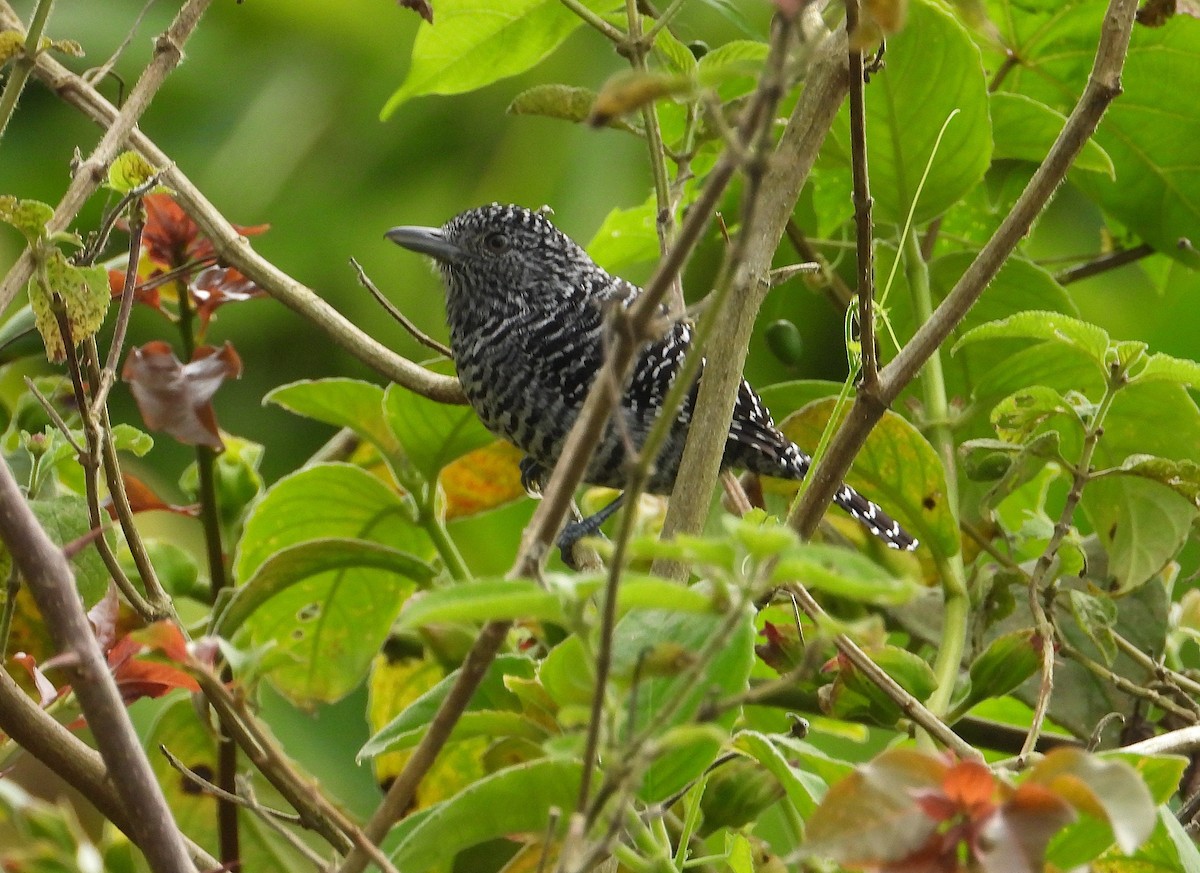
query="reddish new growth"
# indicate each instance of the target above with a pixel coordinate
(178, 256)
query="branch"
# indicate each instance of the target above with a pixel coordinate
(1103, 87)
(71, 759)
(862, 208)
(825, 87)
(52, 583)
(231, 247)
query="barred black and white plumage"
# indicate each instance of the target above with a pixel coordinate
(525, 305)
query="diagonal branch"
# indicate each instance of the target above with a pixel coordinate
(232, 248)
(52, 583)
(1104, 85)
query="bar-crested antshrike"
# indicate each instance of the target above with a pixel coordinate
(526, 306)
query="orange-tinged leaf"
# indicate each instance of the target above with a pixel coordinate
(166, 637)
(481, 480)
(47, 693)
(872, 817)
(971, 785)
(1014, 839)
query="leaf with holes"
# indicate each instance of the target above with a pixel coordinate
(84, 294)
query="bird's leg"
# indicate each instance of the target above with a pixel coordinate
(532, 474)
(586, 527)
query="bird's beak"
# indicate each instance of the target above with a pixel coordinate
(426, 240)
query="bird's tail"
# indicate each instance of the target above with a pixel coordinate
(793, 463)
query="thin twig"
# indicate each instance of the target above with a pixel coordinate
(1104, 263)
(864, 230)
(403, 320)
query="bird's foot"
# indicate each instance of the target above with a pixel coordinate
(532, 476)
(584, 527)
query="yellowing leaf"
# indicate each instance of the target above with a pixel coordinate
(129, 171)
(481, 480)
(84, 292)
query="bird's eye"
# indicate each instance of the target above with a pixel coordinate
(496, 243)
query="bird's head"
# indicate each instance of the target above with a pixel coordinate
(501, 251)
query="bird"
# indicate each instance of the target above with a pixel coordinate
(526, 309)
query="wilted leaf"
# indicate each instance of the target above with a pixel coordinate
(631, 90)
(47, 693)
(214, 287)
(176, 397)
(422, 7)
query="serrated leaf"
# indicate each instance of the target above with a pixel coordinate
(736, 57)
(12, 43)
(1159, 367)
(27, 216)
(1048, 326)
(478, 42)
(1182, 477)
(673, 53)
(84, 292)
(565, 102)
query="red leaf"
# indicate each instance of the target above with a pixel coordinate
(143, 499)
(216, 286)
(45, 688)
(136, 679)
(171, 238)
(166, 637)
(176, 397)
(971, 786)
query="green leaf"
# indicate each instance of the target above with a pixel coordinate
(1152, 526)
(1048, 326)
(432, 434)
(804, 789)
(1164, 368)
(933, 69)
(1019, 416)
(897, 468)
(478, 42)
(514, 800)
(128, 171)
(1025, 129)
(491, 696)
(646, 633)
(193, 742)
(675, 55)
(1096, 617)
(27, 216)
(84, 292)
(1008, 661)
(736, 57)
(301, 561)
(866, 699)
(842, 573)
(334, 621)
(1182, 477)
(349, 403)
(66, 520)
(564, 102)
(627, 236)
